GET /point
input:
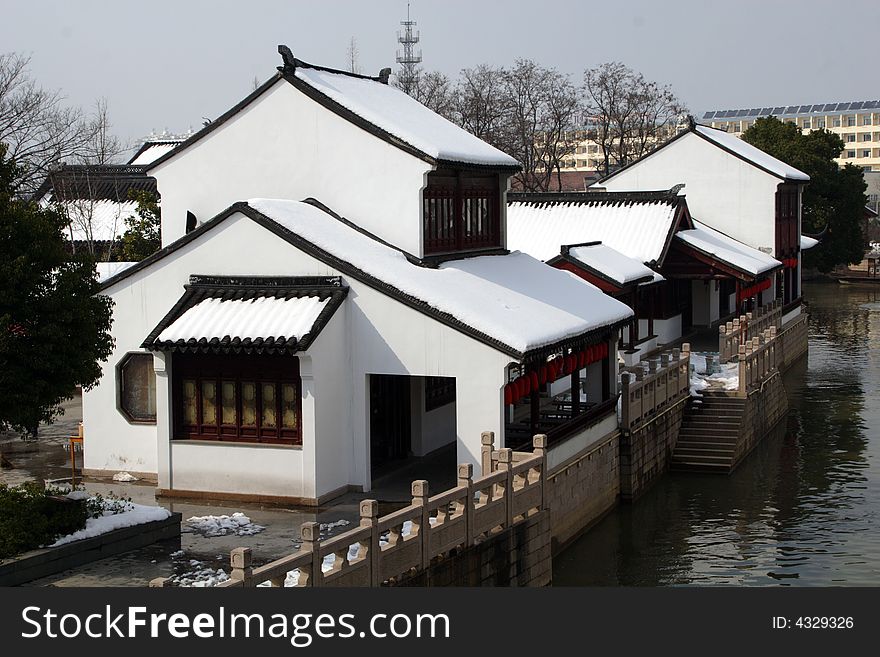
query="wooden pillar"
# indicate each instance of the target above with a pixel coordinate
(575, 392)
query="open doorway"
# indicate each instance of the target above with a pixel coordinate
(390, 420)
(412, 432)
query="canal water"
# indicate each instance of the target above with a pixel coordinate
(802, 510)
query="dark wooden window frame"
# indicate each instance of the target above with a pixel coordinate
(264, 370)
(132, 417)
(460, 212)
(439, 391)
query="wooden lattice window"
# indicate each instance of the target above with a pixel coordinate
(460, 212)
(238, 398)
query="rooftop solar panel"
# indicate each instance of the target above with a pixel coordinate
(755, 112)
(856, 106)
(817, 108)
(830, 107)
(842, 106)
(767, 111)
(709, 115)
(779, 110)
(743, 113)
(791, 109)
(872, 104)
(805, 108)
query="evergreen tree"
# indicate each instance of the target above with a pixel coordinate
(142, 236)
(835, 196)
(54, 327)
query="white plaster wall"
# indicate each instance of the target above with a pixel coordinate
(722, 190)
(568, 448)
(668, 330)
(285, 145)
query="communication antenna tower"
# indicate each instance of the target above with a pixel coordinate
(409, 58)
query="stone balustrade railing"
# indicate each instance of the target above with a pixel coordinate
(746, 327)
(386, 547)
(757, 360)
(654, 385)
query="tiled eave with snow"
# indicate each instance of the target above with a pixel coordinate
(271, 315)
(609, 264)
(808, 242)
(718, 246)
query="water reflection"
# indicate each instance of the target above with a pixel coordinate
(801, 510)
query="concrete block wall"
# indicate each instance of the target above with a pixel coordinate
(517, 556)
(645, 453)
(765, 408)
(583, 489)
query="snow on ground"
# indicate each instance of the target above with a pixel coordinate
(725, 378)
(237, 524)
(199, 575)
(131, 515)
(124, 476)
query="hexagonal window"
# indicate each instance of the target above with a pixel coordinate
(137, 388)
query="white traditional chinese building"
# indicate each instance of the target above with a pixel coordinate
(335, 294)
(736, 189)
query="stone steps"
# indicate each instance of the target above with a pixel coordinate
(709, 434)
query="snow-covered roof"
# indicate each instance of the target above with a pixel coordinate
(512, 299)
(638, 229)
(808, 242)
(246, 319)
(108, 269)
(612, 264)
(720, 246)
(751, 153)
(272, 315)
(96, 220)
(153, 150)
(403, 117)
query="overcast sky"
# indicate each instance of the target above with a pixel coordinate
(167, 64)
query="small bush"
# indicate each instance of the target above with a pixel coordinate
(31, 517)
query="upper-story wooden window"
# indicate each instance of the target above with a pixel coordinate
(460, 212)
(787, 237)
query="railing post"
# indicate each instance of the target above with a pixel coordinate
(505, 462)
(487, 440)
(466, 479)
(311, 541)
(722, 341)
(539, 444)
(420, 498)
(369, 510)
(240, 560)
(742, 367)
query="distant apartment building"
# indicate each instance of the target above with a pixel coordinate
(857, 123)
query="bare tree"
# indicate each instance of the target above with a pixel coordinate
(101, 146)
(542, 113)
(626, 113)
(351, 56)
(434, 90)
(478, 104)
(36, 127)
